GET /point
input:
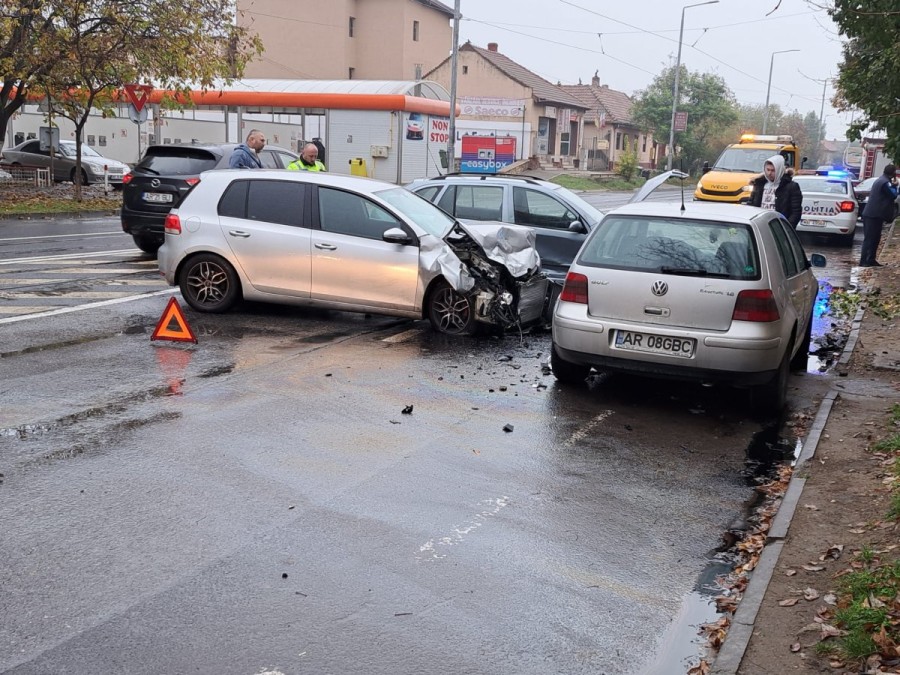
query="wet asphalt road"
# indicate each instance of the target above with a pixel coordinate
(261, 502)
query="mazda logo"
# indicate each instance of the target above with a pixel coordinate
(154, 182)
(659, 288)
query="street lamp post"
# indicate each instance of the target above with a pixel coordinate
(769, 87)
(675, 90)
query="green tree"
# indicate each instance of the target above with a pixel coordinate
(869, 73)
(627, 162)
(98, 46)
(27, 51)
(710, 105)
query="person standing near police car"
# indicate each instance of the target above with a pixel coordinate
(775, 190)
(308, 160)
(245, 155)
(879, 210)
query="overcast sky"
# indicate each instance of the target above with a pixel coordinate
(558, 40)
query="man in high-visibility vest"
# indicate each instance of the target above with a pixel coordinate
(308, 160)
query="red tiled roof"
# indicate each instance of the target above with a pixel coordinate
(616, 104)
(541, 89)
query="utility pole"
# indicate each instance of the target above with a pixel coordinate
(821, 122)
(454, 58)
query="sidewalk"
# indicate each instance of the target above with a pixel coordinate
(836, 506)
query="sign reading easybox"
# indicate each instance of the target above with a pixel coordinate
(487, 154)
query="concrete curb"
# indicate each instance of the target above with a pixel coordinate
(728, 660)
(18, 217)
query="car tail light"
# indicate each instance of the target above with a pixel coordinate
(173, 224)
(575, 289)
(847, 207)
(126, 179)
(192, 181)
(757, 305)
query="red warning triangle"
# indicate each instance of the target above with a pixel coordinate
(181, 332)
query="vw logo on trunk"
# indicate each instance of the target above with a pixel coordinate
(659, 288)
(154, 182)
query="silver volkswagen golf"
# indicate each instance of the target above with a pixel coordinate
(716, 293)
(347, 243)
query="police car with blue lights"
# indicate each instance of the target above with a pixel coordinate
(829, 205)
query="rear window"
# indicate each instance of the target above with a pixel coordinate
(673, 246)
(177, 161)
(831, 187)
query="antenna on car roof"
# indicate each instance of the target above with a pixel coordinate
(682, 184)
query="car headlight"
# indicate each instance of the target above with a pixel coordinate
(700, 185)
(747, 188)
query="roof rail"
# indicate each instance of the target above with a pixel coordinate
(483, 176)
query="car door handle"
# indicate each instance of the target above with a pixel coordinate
(239, 233)
(326, 247)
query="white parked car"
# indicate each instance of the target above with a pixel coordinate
(716, 293)
(829, 207)
(350, 244)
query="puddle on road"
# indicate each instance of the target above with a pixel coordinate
(684, 645)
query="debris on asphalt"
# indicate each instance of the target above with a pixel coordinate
(407, 410)
(508, 428)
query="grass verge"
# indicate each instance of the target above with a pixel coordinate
(22, 200)
(868, 607)
(581, 183)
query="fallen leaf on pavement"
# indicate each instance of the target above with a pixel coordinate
(830, 598)
(830, 631)
(814, 568)
(811, 594)
(833, 553)
(811, 507)
(795, 647)
(858, 530)
(790, 602)
(790, 573)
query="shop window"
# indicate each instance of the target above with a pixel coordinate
(102, 140)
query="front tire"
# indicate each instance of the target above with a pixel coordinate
(84, 178)
(209, 283)
(566, 372)
(451, 312)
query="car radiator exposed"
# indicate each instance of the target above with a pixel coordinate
(532, 296)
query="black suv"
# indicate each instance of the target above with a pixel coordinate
(166, 174)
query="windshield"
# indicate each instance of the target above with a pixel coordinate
(673, 246)
(576, 201)
(423, 213)
(829, 186)
(68, 149)
(743, 159)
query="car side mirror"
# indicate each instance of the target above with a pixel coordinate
(577, 226)
(705, 167)
(396, 236)
(803, 161)
(817, 260)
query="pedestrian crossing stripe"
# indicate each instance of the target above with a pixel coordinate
(181, 332)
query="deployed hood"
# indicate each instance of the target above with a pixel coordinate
(778, 162)
(513, 246)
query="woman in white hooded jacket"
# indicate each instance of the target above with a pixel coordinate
(775, 189)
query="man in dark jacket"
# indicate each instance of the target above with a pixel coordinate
(776, 190)
(245, 155)
(879, 210)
